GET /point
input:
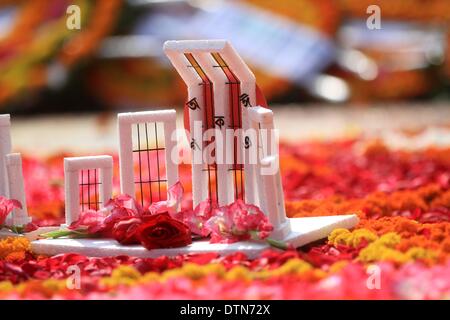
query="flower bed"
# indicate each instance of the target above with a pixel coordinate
(399, 250)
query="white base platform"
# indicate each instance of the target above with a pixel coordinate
(303, 231)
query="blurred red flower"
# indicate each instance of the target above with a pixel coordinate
(125, 231)
(238, 221)
(6, 206)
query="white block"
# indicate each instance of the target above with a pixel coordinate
(89, 162)
(148, 116)
(310, 229)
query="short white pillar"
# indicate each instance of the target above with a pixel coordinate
(72, 168)
(274, 196)
(16, 189)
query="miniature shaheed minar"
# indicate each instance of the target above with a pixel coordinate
(222, 98)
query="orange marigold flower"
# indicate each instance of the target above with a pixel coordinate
(403, 226)
(13, 244)
(15, 256)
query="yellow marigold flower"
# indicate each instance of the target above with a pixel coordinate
(353, 239)
(389, 239)
(384, 249)
(262, 274)
(193, 271)
(172, 273)
(53, 285)
(338, 266)
(214, 268)
(13, 244)
(125, 272)
(6, 286)
(362, 234)
(318, 274)
(378, 252)
(420, 253)
(338, 235)
(122, 275)
(238, 273)
(150, 277)
(292, 266)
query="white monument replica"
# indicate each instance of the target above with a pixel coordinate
(222, 98)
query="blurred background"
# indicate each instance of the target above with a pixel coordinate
(303, 52)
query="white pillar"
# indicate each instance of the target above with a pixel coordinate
(196, 123)
(105, 190)
(5, 148)
(170, 127)
(176, 51)
(125, 156)
(72, 193)
(16, 189)
(221, 97)
(273, 192)
(247, 101)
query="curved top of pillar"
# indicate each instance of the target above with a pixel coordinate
(175, 48)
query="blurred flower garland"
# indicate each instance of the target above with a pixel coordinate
(39, 39)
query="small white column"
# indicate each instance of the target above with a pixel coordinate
(274, 197)
(5, 148)
(172, 161)
(16, 189)
(126, 168)
(268, 177)
(105, 192)
(195, 137)
(72, 193)
(259, 119)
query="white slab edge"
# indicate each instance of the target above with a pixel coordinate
(304, 231)
(310, 229)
